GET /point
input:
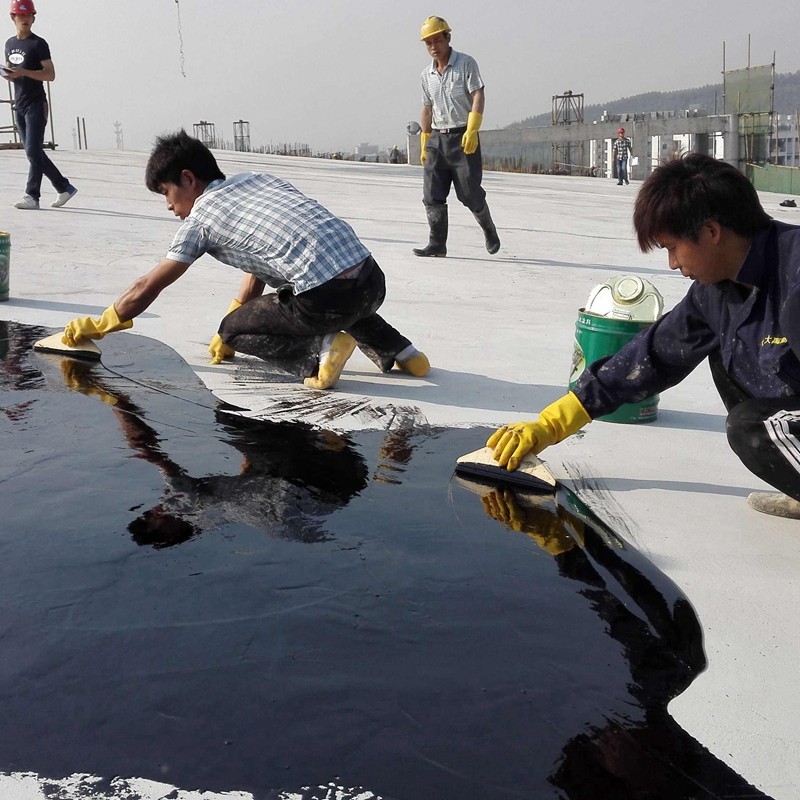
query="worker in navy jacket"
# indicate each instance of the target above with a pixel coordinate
(742, 312)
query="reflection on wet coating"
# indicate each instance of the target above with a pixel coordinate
(233, 604)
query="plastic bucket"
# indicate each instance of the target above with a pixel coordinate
(596, 337)
(5, 263)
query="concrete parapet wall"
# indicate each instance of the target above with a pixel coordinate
(772, 178)
(641, 130)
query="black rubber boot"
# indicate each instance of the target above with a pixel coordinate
(437, 241)
(489, 231)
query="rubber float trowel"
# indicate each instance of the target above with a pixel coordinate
(531, 474)
(87, 350)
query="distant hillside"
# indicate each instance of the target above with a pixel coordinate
(709, 97)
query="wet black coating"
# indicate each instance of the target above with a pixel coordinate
(226, 604)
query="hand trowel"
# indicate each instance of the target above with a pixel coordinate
(52, 344)
(531, 473)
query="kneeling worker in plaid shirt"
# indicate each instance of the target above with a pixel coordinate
(328, 286)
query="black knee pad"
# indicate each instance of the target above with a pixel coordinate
(745, 425)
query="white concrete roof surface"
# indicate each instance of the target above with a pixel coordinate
(499, 333)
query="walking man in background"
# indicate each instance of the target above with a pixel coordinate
(622, 148)
(452, 112)
(28, 66)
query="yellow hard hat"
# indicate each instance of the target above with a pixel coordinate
(432, 26)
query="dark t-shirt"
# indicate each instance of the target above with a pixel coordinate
(27, 53)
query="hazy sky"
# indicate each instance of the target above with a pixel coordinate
(333, 73)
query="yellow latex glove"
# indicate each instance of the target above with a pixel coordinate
(469, 141)
(217, 349)
(512, 443)
(545, 527)
(423, 141)
(76, 376)
(82, 328)
(500, 504)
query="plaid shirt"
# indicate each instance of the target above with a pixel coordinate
(621, 147)
(450, 94)
(264, 226)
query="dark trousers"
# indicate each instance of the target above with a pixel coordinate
(763, 432)
(287, 330)
(448, 165)
(31, 124)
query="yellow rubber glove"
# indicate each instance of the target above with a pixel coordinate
(544, 526)
(217, 349)
(469, 141)
(76, 376)
(512, 443)
(82, 328)
(423, 141)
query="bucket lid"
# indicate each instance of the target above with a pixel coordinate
(626, 297)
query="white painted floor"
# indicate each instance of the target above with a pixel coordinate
(499, 333)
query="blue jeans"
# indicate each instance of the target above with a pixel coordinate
(31, 124)
(622, 170)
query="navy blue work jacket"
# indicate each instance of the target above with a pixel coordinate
(753, 322)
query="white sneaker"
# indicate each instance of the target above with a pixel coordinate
(64, 197)
(27, 202)
(775, 503)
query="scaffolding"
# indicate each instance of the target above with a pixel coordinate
(750, 93)
(206, 133)
(568, 157)
(241, 136)
(11, 130)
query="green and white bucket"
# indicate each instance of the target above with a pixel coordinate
(5, 263)
(627, 305)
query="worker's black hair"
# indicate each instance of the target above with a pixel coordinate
(174, 153)
(684, 193)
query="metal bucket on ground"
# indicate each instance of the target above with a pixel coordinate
(5, 263)
(615, 313)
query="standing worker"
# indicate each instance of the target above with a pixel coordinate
(452, 112)
(328, 285)
(28, 66)
(742, 313)
(622, 148)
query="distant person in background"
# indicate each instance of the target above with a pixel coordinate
(394, 155)
(742, 313)
(622, 149)
(452, 112)
(28, 66)
(328, 285)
